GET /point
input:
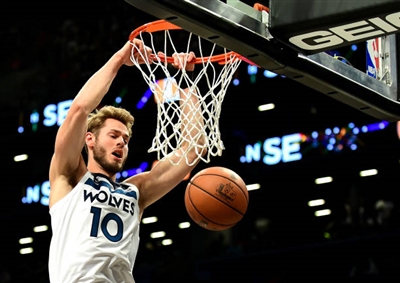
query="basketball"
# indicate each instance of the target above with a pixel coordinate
(216, 198)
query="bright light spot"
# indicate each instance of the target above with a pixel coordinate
(26, 251)
(356, 131)
(157, 234)
(166, 242)
(316, 202)
(322, 212)
(236, 82)
(20, 157)
(328, 132)
(27, 240)
(266, 107)
(148, 220)
(253, 187)
(353, 147)
(118, 99)
(314, 135)
(269, 74)
(34, 118)
(41, 228)
(370, 172)
(252, 70)
(20, 129)
(323, 180)
(354, 47)
(184, 225)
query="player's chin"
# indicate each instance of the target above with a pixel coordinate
(120, 163)
(116, 167)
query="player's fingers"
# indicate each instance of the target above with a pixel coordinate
(138, 45)
(191, 57)
(149, 53)
(178, 59)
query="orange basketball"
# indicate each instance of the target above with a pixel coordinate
(216, 198)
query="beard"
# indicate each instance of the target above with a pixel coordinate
(99, 155)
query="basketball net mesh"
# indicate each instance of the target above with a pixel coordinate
(173, 125)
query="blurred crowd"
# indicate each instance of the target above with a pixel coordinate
(46, 53)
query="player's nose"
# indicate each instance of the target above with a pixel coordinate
(120, 141)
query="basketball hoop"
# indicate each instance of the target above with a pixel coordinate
(216, 71)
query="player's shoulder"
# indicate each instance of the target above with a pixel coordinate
(136, 180)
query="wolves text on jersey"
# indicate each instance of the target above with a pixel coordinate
(112, 196)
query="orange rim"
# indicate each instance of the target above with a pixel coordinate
(162, 25)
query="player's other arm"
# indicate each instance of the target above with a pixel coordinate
(164, 176)
(67, 164)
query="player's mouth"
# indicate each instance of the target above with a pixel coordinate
(117, 154)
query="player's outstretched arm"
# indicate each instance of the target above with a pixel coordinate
(67, 165)
(164, 176)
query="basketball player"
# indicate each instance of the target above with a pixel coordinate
(95, 220)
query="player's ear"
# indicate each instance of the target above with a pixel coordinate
(90, 139)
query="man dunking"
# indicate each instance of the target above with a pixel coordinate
(95, 220)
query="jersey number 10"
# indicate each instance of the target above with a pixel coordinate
(102, 223)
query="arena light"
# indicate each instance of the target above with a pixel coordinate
(20, 157)
(316, 202)
(252, 70)
(24, 241)
(184, 225)
(166, 242)
(266, 107)
(269, 74)
(370, 172)
(253, 187)
(25, 251)
(41, 228)
(323, 180)
(148, 220)
(322, 212)
(159, 234)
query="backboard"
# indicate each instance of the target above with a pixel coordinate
(294, 46)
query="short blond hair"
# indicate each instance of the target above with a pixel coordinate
(97, 118)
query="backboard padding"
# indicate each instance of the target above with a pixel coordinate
(314, 26)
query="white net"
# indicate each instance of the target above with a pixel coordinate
(186, 117)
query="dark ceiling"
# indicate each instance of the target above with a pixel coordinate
(49, 49)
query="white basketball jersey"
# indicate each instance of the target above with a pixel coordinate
(95, 232)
